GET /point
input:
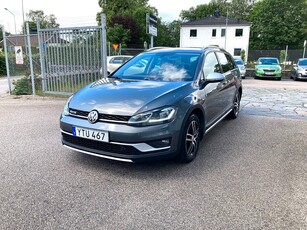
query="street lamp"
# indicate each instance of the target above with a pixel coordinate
(23, 19)
(14, 18)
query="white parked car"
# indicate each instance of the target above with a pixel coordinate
(113, 62)
(241, 66)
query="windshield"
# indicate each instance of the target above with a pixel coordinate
(239, 62)
(162, 66)
(268, 61)
(302, 62)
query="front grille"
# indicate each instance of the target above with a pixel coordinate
(269, 70)
(114, 117)
(106, 117)
(100, 146)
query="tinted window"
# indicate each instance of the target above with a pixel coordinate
(239, 62)
(193, 33)
(226, 62)
(213, 32)
(223, 32)
(237, 52)
(211, 64)
(268, 61)
(239, 32)
(302, 62)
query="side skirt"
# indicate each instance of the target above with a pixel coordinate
(218, 121)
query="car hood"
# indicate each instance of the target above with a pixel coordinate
(268, 66)
(303, 66)
(125, 97)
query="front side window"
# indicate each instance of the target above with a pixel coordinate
(211, 64)
(239, 32)
(213, 32)
(193, 33)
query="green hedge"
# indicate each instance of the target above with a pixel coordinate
(2, 65)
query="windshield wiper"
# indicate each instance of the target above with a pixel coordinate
(115, 77)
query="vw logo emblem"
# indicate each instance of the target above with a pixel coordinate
(93, 116)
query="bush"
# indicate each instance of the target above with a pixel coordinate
(22, 87)
(2, 65)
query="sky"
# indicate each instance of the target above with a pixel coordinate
(72, 13)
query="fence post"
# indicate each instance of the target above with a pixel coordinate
(30, 59)
(104, 45)
(41, 56)
(7, 61)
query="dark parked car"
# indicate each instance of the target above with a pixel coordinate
(159, 104)
(299, 70)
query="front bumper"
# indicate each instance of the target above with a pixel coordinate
(302, 75)
(126, 143)
(264, 74)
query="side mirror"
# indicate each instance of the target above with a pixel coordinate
(212, 78)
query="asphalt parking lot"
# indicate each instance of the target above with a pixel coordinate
(251, 173)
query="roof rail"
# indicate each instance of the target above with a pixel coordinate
(211, 46)
(158, 47)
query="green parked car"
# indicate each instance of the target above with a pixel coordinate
(268, 67)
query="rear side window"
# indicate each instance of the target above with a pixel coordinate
(226, 62)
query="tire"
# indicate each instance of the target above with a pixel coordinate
(236, 107)
(190, 140)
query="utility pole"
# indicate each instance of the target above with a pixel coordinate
(14, 18)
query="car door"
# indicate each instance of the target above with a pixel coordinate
(213, 92)
(230, 71)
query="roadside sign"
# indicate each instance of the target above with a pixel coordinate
(115, 46)
(151, 24)
(18, 55)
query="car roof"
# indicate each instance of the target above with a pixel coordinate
(268, 58)
(184, 49)
(119, 56)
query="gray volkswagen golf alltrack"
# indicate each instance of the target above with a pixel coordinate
(159, 104)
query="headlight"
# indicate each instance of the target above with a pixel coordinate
(66, 107)
(300, 69)
(154, 117)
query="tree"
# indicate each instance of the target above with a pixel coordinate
(132, 11)
(239, 9)
(202, 11)
(118, 34)
(276, 24)
(46, 21)
(168, 34)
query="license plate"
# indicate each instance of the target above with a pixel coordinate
(269, 73)
(90, 134)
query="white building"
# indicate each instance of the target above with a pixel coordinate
(230, 34)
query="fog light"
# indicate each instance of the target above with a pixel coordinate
(160, 143)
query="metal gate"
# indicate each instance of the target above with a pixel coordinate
(70, 58)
